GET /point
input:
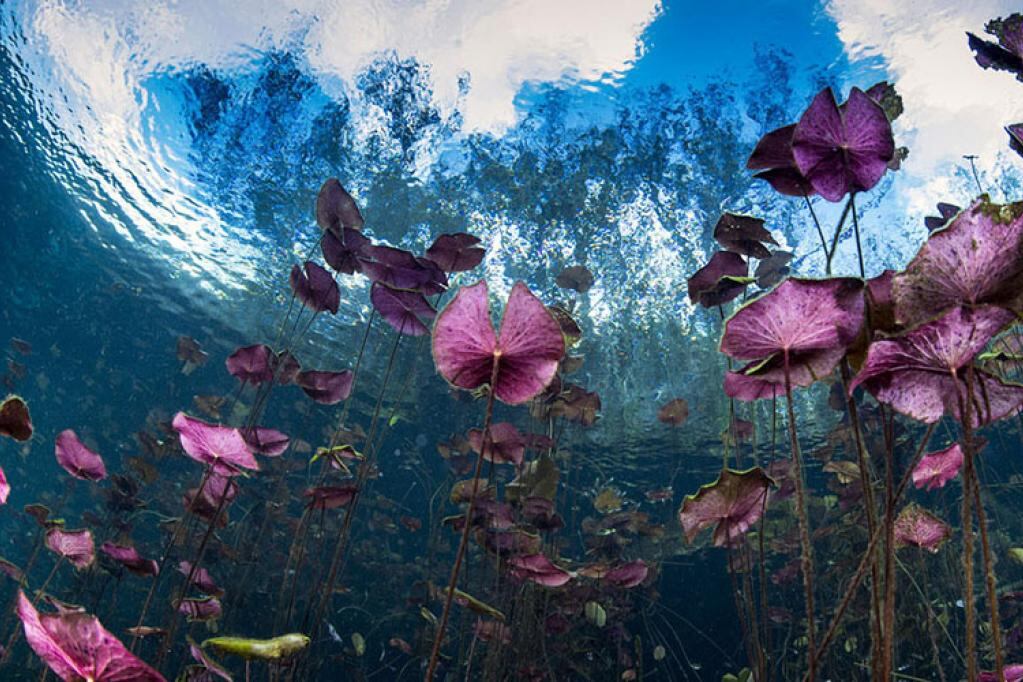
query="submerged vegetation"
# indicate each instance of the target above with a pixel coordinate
(277, 558)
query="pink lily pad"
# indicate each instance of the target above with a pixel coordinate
(977, 259)
(1007, 53)
(76, 646)
(201, 578)
(326, 388)
(538, 569)
(78, 460)
(218, 492)
(402, 309)
(922, 372)
(201, 609)
(5, 487)
(628, 575)
(267, 442)
(331, 496)
(917, 527)
(221, 447)
(466, 348)
(773, 157)
(935, 469)
(397, 268)
(744, 235)
(130, 559)
(730, 505)
(74, 545)
(343, 251)
(843, 150)
(504, 446)
(809, 323)
(1012, 673)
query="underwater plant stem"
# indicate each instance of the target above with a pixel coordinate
(820, 233)
(464, 542)
(856, 231)
(973, 482)
(806, 552)
(888, 627)
(868, 555)
(973, 167)
(834, 239)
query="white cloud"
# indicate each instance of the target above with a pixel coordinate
(953, 107)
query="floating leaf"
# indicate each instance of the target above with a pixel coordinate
(251, 364)
(1007, 53)
(456, 252)
(719, 281)
(505, 445)
(744, 235)
(336, 209)
(130, 559)
(267, 442)
(78, 460)
(315, 287)
(344, 250)
(403, 310)
(326, 388)
(74, 545)
(538, 569)
(843, 150)
(918, 527)
(935, 469)
(674, 412)
(773, 157)
(15, 421)
(221, 447)
(730, 505)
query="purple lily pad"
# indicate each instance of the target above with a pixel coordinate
(316, 288)
(326, 388)
(881, 302)
(218, 492)
(977, 259)
(404, 310)
(286, 367)
(201, 578)
(130, 559)
(336, 209)
(221, 447)
(74, 545)
(331, 496)
(15, 421)
(437, 279)
(251, 364)
(456, 252)
(773, 157)
(1012, 673)
(922, 372)
(267, 442)
(78, 460)
(527, 352)
(808, 322)
(1015, 132)
(504, 446)
(935, 469)
(946, 212)
(201, 609)
(628, 575)
(76, 646)
(538, 569)
(1007, 53)
(397, 268)
(719, 281)
(5, 487)
(575, 277)
(843, 150)
(917, 527)
(342, 251)
(744, 235)
(773, 269)
(674, 412)
(731, 504)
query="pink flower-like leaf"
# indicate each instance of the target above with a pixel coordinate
(977, 259)
(5, 487)
(201, 578)
(264, 441)
(201, 609)
(76, 646)
(1013, 673)
(456, 252)
(917, 527)
(343, 250)
(922, 373)
(331, 496)
(773, 157)
(843, 150)
(466, 348)
(628, 575)
(336, 209)
(537, 568)
(935, 469)
(78, 460)
(221, 447)
(74, 545)
(730, 505)
(744, 235)
(397, 268)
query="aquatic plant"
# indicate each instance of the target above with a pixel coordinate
(731, 505)
(935, 469)
(78, 460)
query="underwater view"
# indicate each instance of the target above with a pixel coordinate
(511, 340)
